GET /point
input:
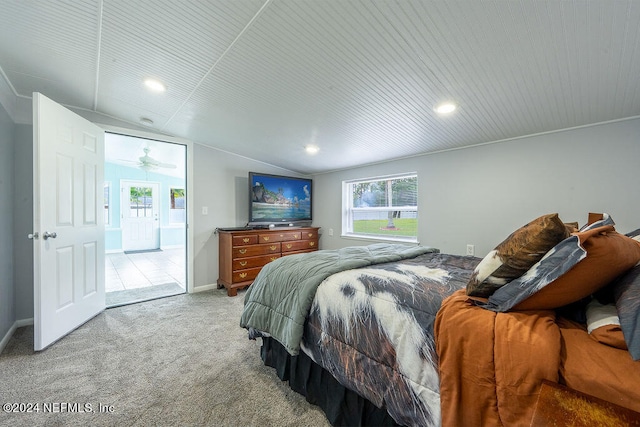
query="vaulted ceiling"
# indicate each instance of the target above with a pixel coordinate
(357, 79)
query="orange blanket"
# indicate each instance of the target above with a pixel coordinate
(492, 364)
(598, 369)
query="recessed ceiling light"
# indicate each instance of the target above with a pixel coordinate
(311, 149)
(445, 108)
(155, 85)
(146, 121)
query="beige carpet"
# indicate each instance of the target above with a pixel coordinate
(177, 361)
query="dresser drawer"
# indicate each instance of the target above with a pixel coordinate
(245, 275)
(255, 250)
(299, 246)
(279, 236)
(251, 262)
(310, 235)
(251, 239)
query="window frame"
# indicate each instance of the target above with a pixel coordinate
(171, 208)
(348, 209)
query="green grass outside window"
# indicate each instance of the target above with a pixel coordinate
(404, 227)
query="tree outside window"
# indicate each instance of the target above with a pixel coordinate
(141, 202)
(382, 207)
(178, 203)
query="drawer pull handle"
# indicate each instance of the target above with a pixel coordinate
(243, 251)
(289, 246)
(265, 238)
(273, 258)
(243, 263)
(243, 275)
(273, 248)
(282, 235)
(312, 243)
(246, 240)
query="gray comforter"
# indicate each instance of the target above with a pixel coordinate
(279, 300)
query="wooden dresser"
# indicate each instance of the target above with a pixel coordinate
(243, 253)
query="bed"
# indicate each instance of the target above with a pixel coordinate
(391, 334)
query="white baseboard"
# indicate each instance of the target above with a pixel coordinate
(205, 288)
(24, 322)
(17, 324)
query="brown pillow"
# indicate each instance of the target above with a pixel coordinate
(516, 254)
(609, 254)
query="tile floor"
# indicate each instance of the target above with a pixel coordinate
(134, 271)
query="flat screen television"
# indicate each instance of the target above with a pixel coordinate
(278, 200)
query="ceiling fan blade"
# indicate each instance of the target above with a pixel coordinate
(166, 165)
(128, 161)
(146, 160)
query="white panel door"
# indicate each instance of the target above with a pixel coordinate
(68, 177)
(139, 217)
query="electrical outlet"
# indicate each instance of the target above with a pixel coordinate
(471, 250)
(331, 232)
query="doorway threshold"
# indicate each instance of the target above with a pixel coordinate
(142, 251)
(132, 296)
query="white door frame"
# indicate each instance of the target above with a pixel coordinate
(190, 246)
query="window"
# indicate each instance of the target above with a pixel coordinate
(177, 208)
(141, 202)
(106, 197)
(381, 208)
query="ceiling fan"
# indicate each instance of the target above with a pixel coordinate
(148, 163)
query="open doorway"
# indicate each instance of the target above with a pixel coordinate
(145, 219)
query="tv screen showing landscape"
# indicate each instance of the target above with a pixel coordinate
(279, 199)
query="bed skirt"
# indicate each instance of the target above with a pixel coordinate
(343, 407)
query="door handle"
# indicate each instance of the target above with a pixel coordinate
(46, 235)
(33, 236)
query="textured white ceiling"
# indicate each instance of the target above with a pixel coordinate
(357, 78)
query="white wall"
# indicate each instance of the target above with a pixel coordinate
(7, 291)
(23, 221)
(221, 184)
(479, 195)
